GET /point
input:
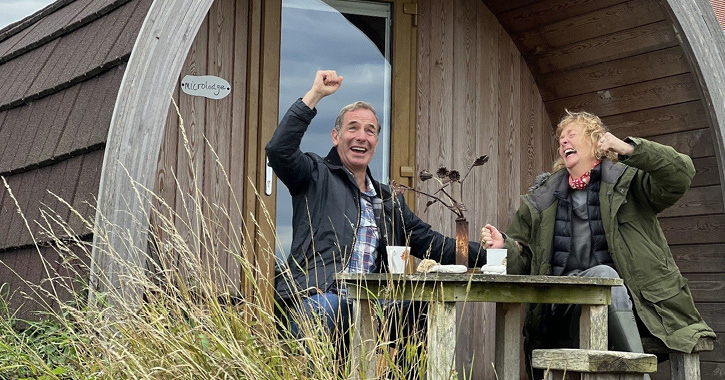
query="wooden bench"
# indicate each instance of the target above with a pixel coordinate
(569, 364)
(683, 366)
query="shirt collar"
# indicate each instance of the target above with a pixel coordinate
(370, 188)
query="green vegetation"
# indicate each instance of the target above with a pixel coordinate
(185, 323)
(186, 327)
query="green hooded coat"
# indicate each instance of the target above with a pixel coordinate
(633, 191)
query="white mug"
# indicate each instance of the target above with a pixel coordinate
(495, 256)
(397, 258)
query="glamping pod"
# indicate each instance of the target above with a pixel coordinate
(89, 125)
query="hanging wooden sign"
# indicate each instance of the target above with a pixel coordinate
(207, 86)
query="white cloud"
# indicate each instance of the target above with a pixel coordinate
(16, 10)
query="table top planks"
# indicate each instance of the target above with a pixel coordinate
(479, 287)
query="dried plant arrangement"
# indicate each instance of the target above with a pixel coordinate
(444, 195)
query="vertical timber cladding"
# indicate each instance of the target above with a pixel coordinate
(207, 169)
(477, 96)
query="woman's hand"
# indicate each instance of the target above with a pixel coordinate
(611, 143)
(491, 237)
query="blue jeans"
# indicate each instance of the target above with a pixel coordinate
(333, 312)
(330, 309)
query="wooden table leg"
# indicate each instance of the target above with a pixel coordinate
(362, 352)
(593, 327)
(685, 366)
(508, 340)
(441, 340)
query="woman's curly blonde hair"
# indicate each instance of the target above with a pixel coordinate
(594, 128)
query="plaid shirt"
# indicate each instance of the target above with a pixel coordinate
(364, 253)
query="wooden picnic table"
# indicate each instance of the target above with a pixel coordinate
(442, 291)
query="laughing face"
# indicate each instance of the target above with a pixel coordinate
(357, 139)
(575, 149)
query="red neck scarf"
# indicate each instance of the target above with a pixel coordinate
(582, 182)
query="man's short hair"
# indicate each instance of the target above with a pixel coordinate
(353, 107)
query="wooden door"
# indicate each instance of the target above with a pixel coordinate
(211, 218)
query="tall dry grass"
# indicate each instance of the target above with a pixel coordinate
(188, 321)
(188, 325)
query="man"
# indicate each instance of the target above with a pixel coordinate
(342, 218)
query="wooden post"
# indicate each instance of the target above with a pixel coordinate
(441, 340)
(593, 324)
(363, 364)
(508, 340)
(461, 241)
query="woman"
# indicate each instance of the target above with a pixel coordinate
(596, 215)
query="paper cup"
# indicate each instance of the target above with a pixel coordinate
(397, 258)
(495, 256)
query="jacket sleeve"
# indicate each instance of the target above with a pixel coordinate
(292, 166)
(520, 230)
(427, 243)
(666, 174)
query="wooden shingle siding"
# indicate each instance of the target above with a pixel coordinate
(72, 58)
(61, 69)
(66, 19)
(75, 180)
(58, 125)
(68, 63)
(30, 264)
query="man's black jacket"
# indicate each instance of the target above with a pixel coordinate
(326, 212)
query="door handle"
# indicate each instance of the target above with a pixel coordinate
(267, 177)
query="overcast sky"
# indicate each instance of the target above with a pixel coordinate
(15, 10)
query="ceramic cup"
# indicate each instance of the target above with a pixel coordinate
(397, 258)
(495, 256)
